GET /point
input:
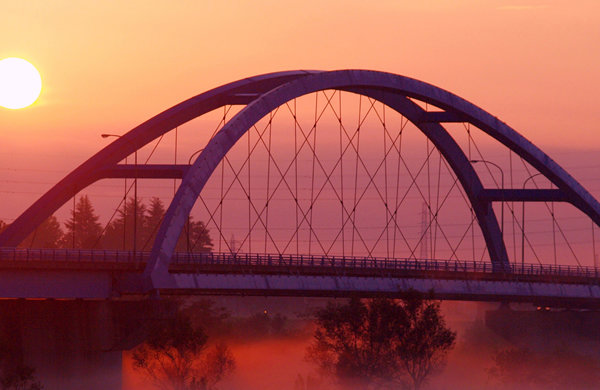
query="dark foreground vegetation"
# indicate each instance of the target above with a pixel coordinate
(177, 356)
(347, 344)
(14, 374)
(358, 344)
(381, 343)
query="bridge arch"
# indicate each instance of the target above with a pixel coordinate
(102, 164)
(394, 91)
(264, 93)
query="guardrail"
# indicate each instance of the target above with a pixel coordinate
(286, 260)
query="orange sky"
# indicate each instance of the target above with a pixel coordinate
(109, 65)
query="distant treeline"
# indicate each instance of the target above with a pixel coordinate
(84, 231)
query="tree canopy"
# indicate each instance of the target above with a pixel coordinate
(14, 373)
(83, 229)
(48, 235)
(195, 236)
(176, 356)
(381, 343)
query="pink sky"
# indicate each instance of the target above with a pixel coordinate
(111, 65)
(108, 66)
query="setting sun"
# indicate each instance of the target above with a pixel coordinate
(20, 83)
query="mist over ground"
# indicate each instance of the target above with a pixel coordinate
(275, 362)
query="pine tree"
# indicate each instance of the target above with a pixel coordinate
(194, 237)
(82, 229)
(48, 235)
(156, 214)
(119, 232)
(3, 225)
(199, 237)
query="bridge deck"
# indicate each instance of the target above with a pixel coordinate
(63, 273)
(210, 262)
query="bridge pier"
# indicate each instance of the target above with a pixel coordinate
(545, 330)
(76, 344)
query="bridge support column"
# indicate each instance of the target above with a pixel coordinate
(76, 344)
(546, 330)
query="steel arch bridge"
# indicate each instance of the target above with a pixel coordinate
(261, 95)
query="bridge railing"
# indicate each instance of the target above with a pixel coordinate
(71, 255)
(292, 261)
(212, 258)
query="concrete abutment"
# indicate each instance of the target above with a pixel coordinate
(77, 344)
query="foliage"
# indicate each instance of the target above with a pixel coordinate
(194, 237)
(152, 221)
(48, 235)
(562, 369)
(279, 325)
(218, 364)
(82, 229)
(206, 314)
(20, 377)
(119, 232)
(426, 341)
(176, 357)
(14, 374)
(381, 343)
(3, 225)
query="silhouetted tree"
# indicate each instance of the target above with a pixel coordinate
(194, 237)
(48, 235)
(176, 357)
(218, 364)
(119, 232)
(425, 342)
(279, 325)
(14, 374)
(156, 214)
(381, 343)
(562, 369)
(205, 313)
(83, 228)
(3, 225)
(19, 377)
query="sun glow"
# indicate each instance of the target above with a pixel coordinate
(20, 83)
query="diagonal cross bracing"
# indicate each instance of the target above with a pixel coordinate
(264, 94)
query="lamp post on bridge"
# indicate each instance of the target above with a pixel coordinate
(189, 248)
(135, 197)
(523, 226)
(502, 198)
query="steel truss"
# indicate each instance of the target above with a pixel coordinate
(264, 94)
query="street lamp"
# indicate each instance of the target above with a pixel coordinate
(193, 154)
(523, 226)
(189, 247)
(502, 199)
(135, 197)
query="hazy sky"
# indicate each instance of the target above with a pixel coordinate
(110, 65)
(113, 64)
